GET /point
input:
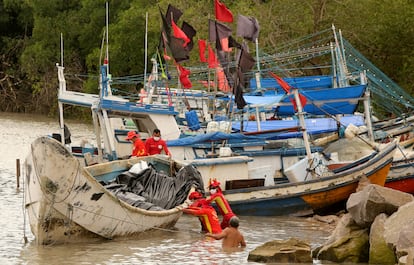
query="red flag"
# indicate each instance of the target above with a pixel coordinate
(178, 33)
(222, 82)
(184, 79)
(281, 82)
(212, 59)
(225, 45)
(202, 50)
(302, 100)
(222, 12)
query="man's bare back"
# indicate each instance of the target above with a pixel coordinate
(231, 236)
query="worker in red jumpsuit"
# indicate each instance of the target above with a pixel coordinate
(217, 196)
(154, 145)
(205, 213)
(139, 146)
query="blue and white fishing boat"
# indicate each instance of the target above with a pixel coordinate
(324, 97)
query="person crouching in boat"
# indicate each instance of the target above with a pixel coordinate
(217, 196)
(138, 145)
(205, 212)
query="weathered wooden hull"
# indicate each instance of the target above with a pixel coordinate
(303, 198)
(66, 203)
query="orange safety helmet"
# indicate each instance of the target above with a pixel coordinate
(131, 134)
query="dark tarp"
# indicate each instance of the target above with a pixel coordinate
(156, 191)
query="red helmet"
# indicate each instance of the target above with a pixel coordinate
(131, 134)
(214, 183)
(195, 195)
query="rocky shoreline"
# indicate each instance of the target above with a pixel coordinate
(377, 228)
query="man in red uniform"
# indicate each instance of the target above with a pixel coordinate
(155, 144)
(139, 147)
(205, 213)
(217, 196)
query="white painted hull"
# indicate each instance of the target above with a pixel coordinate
(311, 195)
(236, 167)
(65, 203)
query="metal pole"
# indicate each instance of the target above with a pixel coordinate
(146, 48)
(62, 89)
(257, 75)
(302, 123)
(107, 36)
(18, 172)
(258, 119)
(61, 49)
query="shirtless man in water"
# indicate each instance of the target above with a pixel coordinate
(231, 235)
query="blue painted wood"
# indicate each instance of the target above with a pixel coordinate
(296, 82)
(271, 207)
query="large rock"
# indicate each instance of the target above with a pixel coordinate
(347, 243)
(396, 222)
(406, 237)
(379, 252)
(287, 251)
(353, 247)
(372, 200)
(344, 226)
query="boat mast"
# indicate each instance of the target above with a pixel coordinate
(61, 49)
(107, 40)
(302, 123)
(367, 107)
(258, 83)
(62, 88)
(334, 67)
(146, 48)
(340, 55)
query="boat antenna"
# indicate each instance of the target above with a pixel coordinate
(107, 39)
(257, 75)
(146, 48)
(61, 49)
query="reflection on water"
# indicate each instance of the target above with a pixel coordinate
(184, 245)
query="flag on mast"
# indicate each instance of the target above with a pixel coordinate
(190, 32)
(212, 59)
(179, 34)
(173, 13)
(202, 50)
(184, 76)
(286, 87)
(222, 12)
(281, 82)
